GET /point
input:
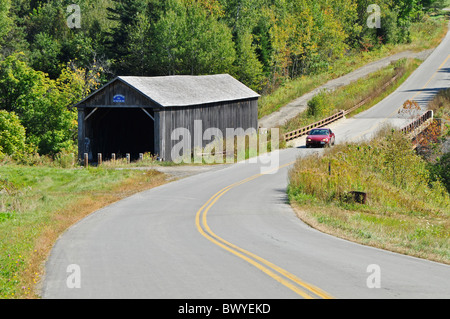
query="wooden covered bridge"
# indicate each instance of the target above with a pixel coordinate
(133, 115)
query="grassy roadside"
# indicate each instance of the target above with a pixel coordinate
(38, 203)
(406, 210)
(441, 105)
(425, 34)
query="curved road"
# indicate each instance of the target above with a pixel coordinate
(229, 233)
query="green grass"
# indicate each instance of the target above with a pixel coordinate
(406, 211)
(39, 203)
(425, 34)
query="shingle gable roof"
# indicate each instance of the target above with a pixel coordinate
(186, 90)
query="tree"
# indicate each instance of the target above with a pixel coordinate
(306, 36)
(208, 43)
(45, 54)
(441, 170)
(139, 60)
(5, 21)
(12, 134)
(43, 105)
(261, 39)
(49, 18)
(189, 40)
(249, 69)
(124, 14)
(20, 86)
(248, 22)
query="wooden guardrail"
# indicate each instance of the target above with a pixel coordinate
(341, 114)
(418, 125)
(304, 130)
(367, 99)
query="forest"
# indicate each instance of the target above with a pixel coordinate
(52, 53)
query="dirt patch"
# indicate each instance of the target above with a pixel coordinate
(181, 171)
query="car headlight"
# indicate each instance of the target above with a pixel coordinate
(308, 139)
(325, 140)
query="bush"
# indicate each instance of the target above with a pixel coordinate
(319, 105)
(12, 134)
(441, 170)
(65, 159)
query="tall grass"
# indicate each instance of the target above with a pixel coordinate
(405, 211)
(440, 105)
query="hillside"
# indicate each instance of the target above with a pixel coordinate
(54, 53)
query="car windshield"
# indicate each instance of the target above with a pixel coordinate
(318, 132)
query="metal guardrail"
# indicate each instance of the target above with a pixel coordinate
(341, 114)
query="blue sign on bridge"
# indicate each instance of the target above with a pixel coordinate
(119, 98)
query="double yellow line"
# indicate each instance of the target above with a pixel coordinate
(282, 276)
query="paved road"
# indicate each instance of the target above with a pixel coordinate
(210, 236)
(300, 104)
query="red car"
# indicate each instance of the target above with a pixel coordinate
(320, 137)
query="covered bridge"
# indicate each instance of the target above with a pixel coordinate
(138, 114)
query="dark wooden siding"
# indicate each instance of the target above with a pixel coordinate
(237, 114)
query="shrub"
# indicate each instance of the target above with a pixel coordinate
(441, 170)
(12, 134)
(319, 105)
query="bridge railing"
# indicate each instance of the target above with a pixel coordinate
(418, 125)
(304, 130)
(339, 115)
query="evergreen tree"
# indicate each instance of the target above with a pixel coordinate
(125, 14)
(5, 21)
(190, 40)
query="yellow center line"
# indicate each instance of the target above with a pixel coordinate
(275, 272)
(432, 77)
(414, 96)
